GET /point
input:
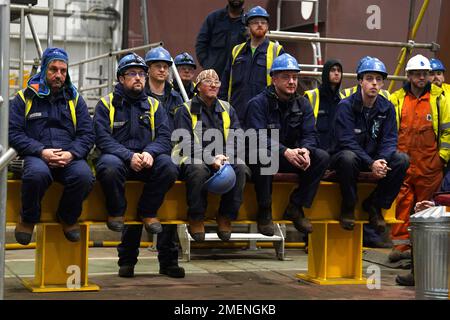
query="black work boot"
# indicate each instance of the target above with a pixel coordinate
(223, 227)
(264, 220)
(376, 218)
(172, 271)
(126, 271)
(297, 216)
(115, 223)
(347, 218)
(406, 280)
(24, 232)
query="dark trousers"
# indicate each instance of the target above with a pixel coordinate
(195, 176)
(304, 194)
(112, 173)
(167, 245)
(76, 177)
(348, 166)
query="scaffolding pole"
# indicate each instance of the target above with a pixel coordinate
(43, 11)
(4, 105)
(50, 23)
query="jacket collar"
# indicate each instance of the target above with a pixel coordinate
(357, 103)
(274, 99)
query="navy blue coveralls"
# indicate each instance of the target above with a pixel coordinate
(294, 120)
(217, 37)
(195, 175)
(132, 133)
(361, 136)
(49, 124)
(249, 73)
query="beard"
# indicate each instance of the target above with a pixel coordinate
(236, 4)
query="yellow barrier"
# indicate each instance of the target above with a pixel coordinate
(335, 255)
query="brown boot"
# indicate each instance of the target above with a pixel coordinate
(197, 230)
(297, 216)
(376, 218)
(115, 223)
(152, 225)
(223, 227)
(24, 232)
(347, 218)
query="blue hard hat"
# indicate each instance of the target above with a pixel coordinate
(372, 65)
(129, 61)
(284, 62)
(361, 61)
(436, 65)
(158, 54)
(222, 181)
(256, 12)
(184, 59)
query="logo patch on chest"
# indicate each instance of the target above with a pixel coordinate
(429, 118)
(35, 115)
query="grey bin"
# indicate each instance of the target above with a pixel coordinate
(430, 230)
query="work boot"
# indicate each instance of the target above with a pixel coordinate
(172, 271)
(406, 280)
(197, 230)
(24, 232)
(152, 225)
(72, 232)
(397, 255)
(264, 221)
(115, 223)
(376, 218)
(223, 227)
(297, 216)
(347, 218)
(126, 271)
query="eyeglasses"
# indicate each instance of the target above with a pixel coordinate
(133, 74)
(258, 21)
(287, 77)
(209, 82)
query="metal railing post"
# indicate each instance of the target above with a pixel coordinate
(4, 105)
(50, 24)
(179, 82)
(110, 73)
(144, 21)
(21, 47)
(35, 36)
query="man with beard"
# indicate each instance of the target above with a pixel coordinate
(248, 71)
(280, 108)
(423, 118)
(185, 65)
(133, 136)
(220, 32)
(365, 139)
(437, 77)
(51, 129)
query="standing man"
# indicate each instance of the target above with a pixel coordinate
(185, 65)
(437, 76)
(134, 139)
(159, 61)
(205, 113)
(325, 99)
(423, 118)
(280, 108)
(248, 70)
(51, 129)
(220, 32)
(365, 139)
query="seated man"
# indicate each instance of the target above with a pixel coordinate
(196, 118)
(365, 139)
(51, 129)
(280, 109)
(134, 139)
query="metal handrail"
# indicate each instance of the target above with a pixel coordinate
(292, 36)
(7, 157)
(349, 75)
(62, 13)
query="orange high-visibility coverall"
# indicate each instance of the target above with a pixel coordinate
(416, 138)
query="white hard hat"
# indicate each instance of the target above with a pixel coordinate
(418, 62)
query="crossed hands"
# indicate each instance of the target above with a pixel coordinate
(298, 157)
(379, 168)
(56, 158)
(140, 161)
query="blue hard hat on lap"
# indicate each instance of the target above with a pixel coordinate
(284, 62)
(158, 54)
(222, 181)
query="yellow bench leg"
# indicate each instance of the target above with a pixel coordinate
(60, 265)
(334, 254)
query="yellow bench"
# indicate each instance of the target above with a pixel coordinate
(334, 255)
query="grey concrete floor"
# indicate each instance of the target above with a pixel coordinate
(211, 274)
